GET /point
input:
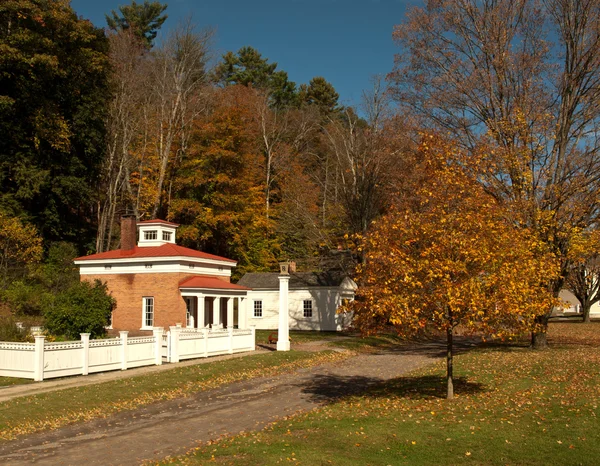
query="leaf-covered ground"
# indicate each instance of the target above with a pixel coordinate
(56, 409)
(513, 406)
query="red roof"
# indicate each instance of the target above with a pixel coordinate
(165, 250)
(211, 283)
(158, 221)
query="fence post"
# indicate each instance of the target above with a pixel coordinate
(205, 336)
(174, 343)
(38, 369)
(123, 336)
(158, 332)
(230, 332)
(85, 347)
(253, 345)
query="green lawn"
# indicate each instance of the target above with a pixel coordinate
(513, 406)
(55, 409)
(8, 381)
(301, 336)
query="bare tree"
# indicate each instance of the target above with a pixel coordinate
(517, 80)
(178, 74)
(584, 283)
(123, 123)
(365, 156)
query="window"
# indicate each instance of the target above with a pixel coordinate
(307, 308)
(258, 309)
(148, 312)
(166, 235)
(150, 235)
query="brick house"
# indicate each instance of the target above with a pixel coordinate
(157, 283)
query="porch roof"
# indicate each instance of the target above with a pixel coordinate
(211, 284)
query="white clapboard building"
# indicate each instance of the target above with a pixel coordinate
(313, 300)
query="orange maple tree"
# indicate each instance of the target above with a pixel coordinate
(451, 259)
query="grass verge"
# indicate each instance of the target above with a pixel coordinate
(301, 336)
(55, 409)
(9, 381)
(514, 406)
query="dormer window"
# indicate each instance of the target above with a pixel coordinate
(166, 235)
(151, 235)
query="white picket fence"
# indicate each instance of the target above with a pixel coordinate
(43, 360)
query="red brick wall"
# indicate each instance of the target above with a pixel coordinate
(129, 289)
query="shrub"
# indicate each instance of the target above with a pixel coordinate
(82, 308)
(10, 331)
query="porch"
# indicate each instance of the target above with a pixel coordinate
(214, 303)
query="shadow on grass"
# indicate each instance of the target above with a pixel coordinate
(330, 388)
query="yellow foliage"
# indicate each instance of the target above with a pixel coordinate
(452, 258)
(20, 244)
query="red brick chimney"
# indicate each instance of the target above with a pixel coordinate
(128, 232)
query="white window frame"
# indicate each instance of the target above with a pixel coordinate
(150, 235)
(259, 307)
(307, 308)
(166, 235)
(145, 301)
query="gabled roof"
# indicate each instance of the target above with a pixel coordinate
(297, 280)
(157, 221)
(164, 250)
(210, 283)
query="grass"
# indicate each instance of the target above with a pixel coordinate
(55, 409)
(513, 406)
(9, 381)
(301, 336)
(370, 343)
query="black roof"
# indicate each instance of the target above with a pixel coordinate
(297, 280)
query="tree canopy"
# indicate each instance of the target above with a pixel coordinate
(53, 98)
(143, 19)
(248, 68)
(518, 81)
(451, 259)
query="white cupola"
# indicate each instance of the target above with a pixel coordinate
(156, 232)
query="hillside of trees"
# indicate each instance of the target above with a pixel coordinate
(97, 123)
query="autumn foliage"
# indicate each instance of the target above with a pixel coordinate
(451, 258)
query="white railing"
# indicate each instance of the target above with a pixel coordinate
(187, 343)
(42, 360)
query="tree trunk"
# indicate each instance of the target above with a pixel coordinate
(539, 338)
(450, 392)
(585, 309)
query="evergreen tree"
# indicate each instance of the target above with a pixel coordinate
(143, 19)
(248, 68)
(321, 93)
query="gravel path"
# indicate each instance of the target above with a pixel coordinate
(173, 427)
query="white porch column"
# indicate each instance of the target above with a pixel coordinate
(217, 312)
(200, 306)
(242, 312)
(283, 337)
(230, 312)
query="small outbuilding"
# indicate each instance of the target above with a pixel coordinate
(313, 297)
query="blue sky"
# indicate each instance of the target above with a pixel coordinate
(346, 41)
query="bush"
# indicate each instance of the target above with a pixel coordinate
(82, 308)
(10, 331)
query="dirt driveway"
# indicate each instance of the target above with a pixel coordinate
(173, 427)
